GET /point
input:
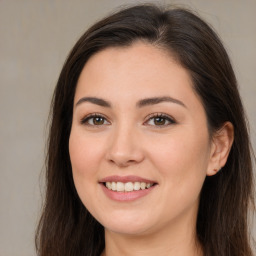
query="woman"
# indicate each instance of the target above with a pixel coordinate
(148, 148)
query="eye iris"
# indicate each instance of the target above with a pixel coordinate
(159, 121)
(98, 120)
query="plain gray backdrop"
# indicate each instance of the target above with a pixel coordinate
(35, 38)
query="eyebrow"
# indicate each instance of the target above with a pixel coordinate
(157, 100)
(94, 100)
(139, 104)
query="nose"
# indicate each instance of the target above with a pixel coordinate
(125, 148)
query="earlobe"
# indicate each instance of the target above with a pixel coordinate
(221, 145)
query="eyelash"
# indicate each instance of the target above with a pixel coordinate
(167, 118)
(162, 116)
(91, 116)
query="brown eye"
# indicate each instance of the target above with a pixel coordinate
(94, 120)
(160, 120)
(98, 120)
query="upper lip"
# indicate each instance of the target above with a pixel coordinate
(124, 179)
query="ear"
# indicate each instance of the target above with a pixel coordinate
(220, 147)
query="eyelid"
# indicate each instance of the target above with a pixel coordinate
(162, 115)
(170, 119)
(92, 115)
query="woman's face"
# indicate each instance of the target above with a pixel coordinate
(139, 128)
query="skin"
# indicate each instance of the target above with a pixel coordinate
(130, 141)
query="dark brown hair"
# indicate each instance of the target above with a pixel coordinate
(66, 227)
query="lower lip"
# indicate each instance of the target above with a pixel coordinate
(126, 196)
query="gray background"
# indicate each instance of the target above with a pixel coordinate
(35, 38)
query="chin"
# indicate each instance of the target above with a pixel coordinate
(127, 225)
(133, 230)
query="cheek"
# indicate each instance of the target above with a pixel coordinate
(84, 154)
(182, 160)
(182, 164)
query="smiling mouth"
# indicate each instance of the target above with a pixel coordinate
(127, 186)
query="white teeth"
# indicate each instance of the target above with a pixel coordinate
(113, 186)
(142, 185)
(128, 186)
(120, 186)
(108, 185)
(136, 186)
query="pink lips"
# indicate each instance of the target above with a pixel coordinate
(124, 179)
(125, 196)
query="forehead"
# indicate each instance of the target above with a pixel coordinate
(137, 71)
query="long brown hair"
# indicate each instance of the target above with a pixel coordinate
(66, 227)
